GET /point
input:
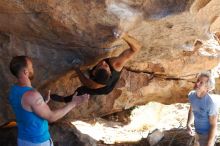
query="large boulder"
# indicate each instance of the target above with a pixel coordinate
(57, 34)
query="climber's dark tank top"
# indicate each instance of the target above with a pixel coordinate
(110, 84)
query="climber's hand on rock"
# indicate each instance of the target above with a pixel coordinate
(76, 63)
(76, 67)
(117, 33)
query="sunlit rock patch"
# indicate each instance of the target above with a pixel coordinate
(143, 120)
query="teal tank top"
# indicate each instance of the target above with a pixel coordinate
(31, 127)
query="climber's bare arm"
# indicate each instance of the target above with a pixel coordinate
(119, 62)
(86, 81)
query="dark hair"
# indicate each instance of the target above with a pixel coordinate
(17, 63)
(101, 76)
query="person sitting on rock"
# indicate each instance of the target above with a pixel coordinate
(104, 76)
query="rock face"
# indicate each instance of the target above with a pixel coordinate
(57, 34)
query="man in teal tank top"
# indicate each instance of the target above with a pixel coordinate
(32, 112)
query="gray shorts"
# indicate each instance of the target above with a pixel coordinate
(28, 143)
(201, 140)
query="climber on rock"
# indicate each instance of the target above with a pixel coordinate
(104, 76)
